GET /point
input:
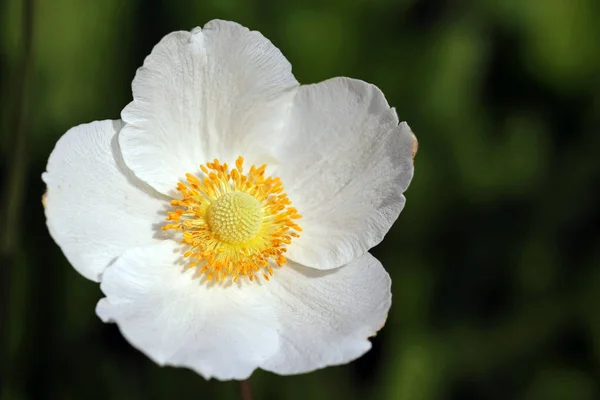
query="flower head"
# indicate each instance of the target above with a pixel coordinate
(229, 213)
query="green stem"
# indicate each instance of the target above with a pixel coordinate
(16, 174)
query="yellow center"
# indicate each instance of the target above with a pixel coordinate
(235, 217)
(236, 223)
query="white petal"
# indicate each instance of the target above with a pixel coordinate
(219, 92)
(327, 316)
(95, 207)
(347, 163)
(175, 318)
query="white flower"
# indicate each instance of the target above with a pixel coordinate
(253, 285)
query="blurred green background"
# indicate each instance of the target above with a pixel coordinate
(495, 260)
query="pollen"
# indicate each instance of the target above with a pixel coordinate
(235, 224)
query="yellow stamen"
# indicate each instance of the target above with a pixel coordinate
(236, 223)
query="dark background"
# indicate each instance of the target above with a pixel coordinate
(495, 259)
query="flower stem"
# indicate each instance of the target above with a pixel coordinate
(13, 194)
(245, 390)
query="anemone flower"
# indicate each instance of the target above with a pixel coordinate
(229, 213)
